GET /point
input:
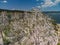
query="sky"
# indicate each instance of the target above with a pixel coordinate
(44, 5)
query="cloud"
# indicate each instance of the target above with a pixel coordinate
(49, 3)
(57, 1)
(37, 0)
(39, 6)
(4, 1)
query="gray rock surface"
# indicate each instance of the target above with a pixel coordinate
(35, 29)
(31, 28)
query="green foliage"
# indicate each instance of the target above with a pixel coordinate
(9, 17)
(56, 27)
(58, 44)
(6, 41)
(6, 30)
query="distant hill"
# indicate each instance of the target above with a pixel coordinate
(51, 11)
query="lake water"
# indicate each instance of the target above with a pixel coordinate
(55, 16)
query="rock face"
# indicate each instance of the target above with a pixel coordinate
(31, 29)
(58, 32)
(1, 39)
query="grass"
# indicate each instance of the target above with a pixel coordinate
(58, 44)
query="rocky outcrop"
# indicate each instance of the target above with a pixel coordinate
(31, 28)
(59, 32)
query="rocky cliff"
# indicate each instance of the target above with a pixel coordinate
(28, 28)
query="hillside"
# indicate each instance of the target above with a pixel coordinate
(59, 32)
(27, 28)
